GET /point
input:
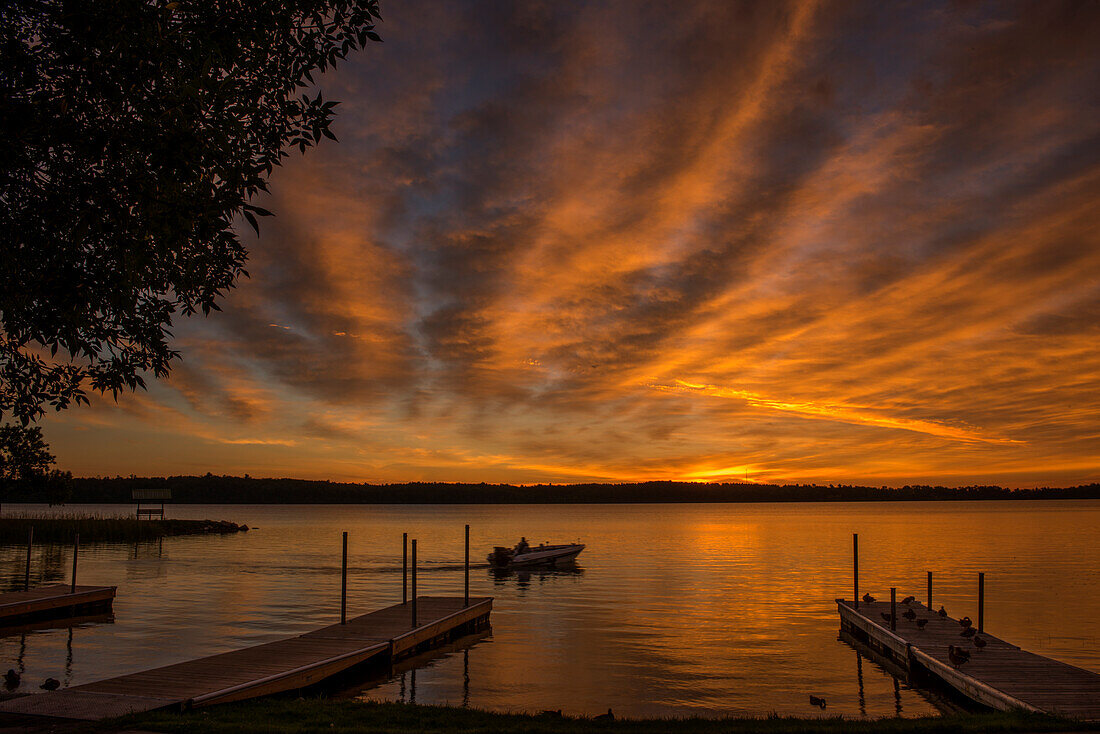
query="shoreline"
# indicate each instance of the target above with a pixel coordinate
(315, 714)
(542, 500)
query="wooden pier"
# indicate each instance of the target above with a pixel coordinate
(54, 602)
(380, 638)
(1000, 676)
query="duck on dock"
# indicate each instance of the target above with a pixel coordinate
(868, 599)
(887, 617)
(50, 684)
(979, 642)
(942, 612)
(819, 702)
(908, 600)
(909, 614)
(957, 655)
(11, 679)
(921, 623)
(969, 632)
(609, 716)
(966, 622)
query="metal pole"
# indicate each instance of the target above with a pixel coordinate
(466, 595)
(76, 550)
(893, 608)
(929, 591)
(413, 605)
(404, 568)
(981, 602)
(27, 573)
(344, 583)
(855, 570)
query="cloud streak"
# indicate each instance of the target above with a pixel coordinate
(860, 415)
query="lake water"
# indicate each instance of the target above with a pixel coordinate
(673, 609)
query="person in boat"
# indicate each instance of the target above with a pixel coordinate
(521, 546)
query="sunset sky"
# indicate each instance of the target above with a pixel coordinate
(806, 242)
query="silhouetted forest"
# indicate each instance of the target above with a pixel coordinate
(212, 489)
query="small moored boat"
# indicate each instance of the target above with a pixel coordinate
(540, 555)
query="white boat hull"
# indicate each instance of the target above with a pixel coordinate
(547, 555)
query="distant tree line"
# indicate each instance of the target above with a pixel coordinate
(211, 489)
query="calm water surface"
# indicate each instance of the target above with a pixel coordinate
(674, 609)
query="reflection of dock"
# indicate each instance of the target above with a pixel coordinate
(54, 602)
(1001, 676)
(379, 638)
(80, 620)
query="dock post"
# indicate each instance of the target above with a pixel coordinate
(893, 608)
(27, 573)
(855, 570)
(404, 568)
(76, 550)
(929, 591)
(344, 582)
(981, 602)
(413, 606)
(466, 595)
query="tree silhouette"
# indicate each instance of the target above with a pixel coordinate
(134, 133)
(24, 454)
(25, 462)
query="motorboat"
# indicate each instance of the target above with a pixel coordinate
(535, 555)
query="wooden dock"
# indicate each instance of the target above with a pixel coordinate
(54, 602)
(1000, 676)
(380, 637)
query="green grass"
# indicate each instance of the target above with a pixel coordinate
(100, 528)
(317, 715)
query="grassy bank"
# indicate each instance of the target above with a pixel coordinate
(101, 528)
(313, 715)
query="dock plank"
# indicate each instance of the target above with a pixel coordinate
(1001, 675)
(271, 667)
